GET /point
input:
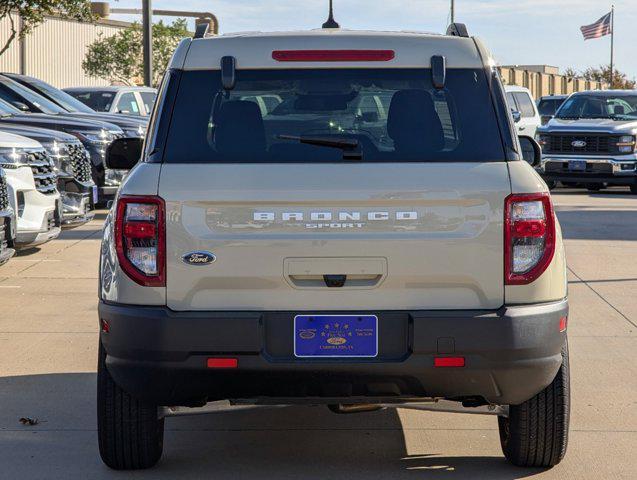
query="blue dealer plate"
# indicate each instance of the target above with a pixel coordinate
(577, 165)
(335, 336)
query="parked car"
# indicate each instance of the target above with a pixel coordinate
(33, 195)
(133, 126)
(7, 222)
(16, 100)
(548, 105)
(116, 99)
(332, 266)
(72, 167)
(521, 100)
(592, 140)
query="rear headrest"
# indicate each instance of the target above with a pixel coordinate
(413, 123)
(239, 129)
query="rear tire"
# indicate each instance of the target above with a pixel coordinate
(536, 432)
(130, 434)
(595, 187)
(633, 189)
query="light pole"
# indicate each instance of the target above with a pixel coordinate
(147, 28)
(453, 11)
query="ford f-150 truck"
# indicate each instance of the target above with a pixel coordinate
(592, 140)
(377, 241)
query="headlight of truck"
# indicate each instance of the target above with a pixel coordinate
(626, 144)
(102, 137)
(13, 157)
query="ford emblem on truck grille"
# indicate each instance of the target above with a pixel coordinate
(198, 258)
(578, 143)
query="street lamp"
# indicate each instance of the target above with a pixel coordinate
(103, 10)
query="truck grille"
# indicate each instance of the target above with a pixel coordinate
(43, 173)
(4, 193)
(593, 144)
(80, 162)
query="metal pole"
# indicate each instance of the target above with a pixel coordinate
(612, 41)
(147, 27)
(453, 11)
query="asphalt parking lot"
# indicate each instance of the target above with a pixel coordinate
(48, 352)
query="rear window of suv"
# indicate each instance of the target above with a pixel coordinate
(394, 114)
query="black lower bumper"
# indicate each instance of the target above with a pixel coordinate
(161, 356)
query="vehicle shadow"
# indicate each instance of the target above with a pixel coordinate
(588, 224)
(284, 442)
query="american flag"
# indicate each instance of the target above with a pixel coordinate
(598, 29)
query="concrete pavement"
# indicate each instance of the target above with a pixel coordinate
(48, 350)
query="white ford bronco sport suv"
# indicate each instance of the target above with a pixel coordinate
(368, 237)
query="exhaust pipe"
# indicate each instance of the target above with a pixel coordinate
(354, 408)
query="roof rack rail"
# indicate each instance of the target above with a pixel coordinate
(201, 30)
(458, 30)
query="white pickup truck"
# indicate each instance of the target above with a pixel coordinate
(32, 191)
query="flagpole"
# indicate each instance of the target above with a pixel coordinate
(612, 41)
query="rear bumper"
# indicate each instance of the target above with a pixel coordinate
(160, 356)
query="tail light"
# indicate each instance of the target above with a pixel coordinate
(529, 237)
(140, 239)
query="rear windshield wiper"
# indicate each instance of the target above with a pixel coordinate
(350, 146)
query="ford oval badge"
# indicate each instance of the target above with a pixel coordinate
(198, 258)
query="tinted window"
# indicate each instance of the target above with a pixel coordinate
(99, 101)
(17, 95)
(149, 99)
(127, 103)
(63, 99)
(599, 106)
(548, 106)
(394, 114)
(525, 104)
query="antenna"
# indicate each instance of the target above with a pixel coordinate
(331, 23)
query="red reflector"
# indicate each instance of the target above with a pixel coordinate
(529, 228)
(222, 363)
(563, 323)
(105, 326)
(333, 55)
(449, 362)
(139, 230)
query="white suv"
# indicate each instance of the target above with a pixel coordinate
(527, 118)
(33, 194)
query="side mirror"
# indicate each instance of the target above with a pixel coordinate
(123, 153)
(369, 117)
(531, 151)
(517, 116)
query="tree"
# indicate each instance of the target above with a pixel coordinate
(32, 13)
(602, 74)
(119, 57)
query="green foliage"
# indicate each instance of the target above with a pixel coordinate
(120, 57)
(33, 13)
(602, 74)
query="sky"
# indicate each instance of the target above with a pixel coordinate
(516, 31)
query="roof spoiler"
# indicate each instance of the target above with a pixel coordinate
(201, 30)
(458, 30)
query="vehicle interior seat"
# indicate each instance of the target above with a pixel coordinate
(413, 123)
